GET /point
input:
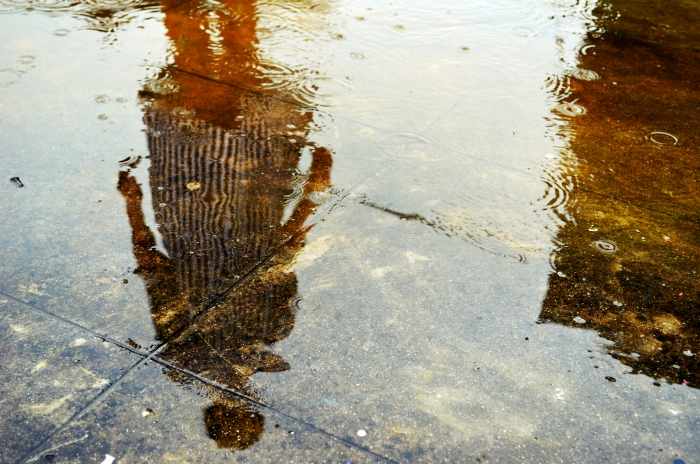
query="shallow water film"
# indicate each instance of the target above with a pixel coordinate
(347, 231)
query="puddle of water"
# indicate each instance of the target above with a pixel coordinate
(48, 375)
(306, 205)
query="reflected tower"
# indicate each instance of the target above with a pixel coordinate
(227, 193)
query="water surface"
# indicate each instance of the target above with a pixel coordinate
(334, 231)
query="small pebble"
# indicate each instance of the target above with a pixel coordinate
(579, 320)
(194, 185)
(361, 433)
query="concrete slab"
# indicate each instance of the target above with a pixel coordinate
(51, 370)
(159, 415)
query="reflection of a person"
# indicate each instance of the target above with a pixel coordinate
(226, 192)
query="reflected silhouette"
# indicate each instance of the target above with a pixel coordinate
(228, 193)
(627, 265)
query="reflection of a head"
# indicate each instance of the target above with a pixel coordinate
(233, 427)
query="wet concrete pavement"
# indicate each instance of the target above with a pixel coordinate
(349, 232)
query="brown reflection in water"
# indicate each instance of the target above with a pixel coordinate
(629, 264)
(227, 193)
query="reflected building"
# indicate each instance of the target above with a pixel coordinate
(627, 267)
(228, 194)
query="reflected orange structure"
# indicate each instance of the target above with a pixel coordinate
(628, 265)
(227, 193)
